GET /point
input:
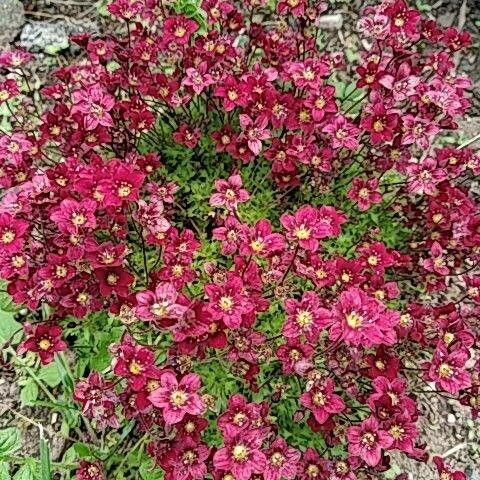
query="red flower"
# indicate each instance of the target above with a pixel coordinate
(241, 455)
(90, 471)
(447, 473)
(281, 461)
(178, 29)
(98, 400)
(321, 400)
(135, 363)
(364, 193)
(44, 339)
(12, 231)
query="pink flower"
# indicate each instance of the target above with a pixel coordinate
(364, 193)
(226, 302)
(304, 227)
(186, 460)
(321, 400)
(361, 320)
(437, 263)
(229, 193)
(343, 134)
(424, 176)
(12, 232)
(281, 461)
(241, 455)
(176, 399)
(259, 240)
(254, 131)
(367, 441)
(43, 339)
(72, 216)
(447, 369)
(164, 307)
(305, 317)
(94, 105)
(418, 131)
(197, 78)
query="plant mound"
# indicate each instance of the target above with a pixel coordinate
(246, 255)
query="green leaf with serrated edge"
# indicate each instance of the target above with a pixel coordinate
(10, 440)
(29, 393)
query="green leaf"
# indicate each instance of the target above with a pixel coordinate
(9, 328)
(26, 472)
(82, 449)
(4, 475)
(45, 465)
(148, 471)
(50, 375)
(10, 440)
(29, 393)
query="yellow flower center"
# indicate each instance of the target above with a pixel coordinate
(304, 318)
(44, 344)
(124, 190)
(8, 236)
(445, 370)
(135, 368)
(277, 459)
(226, 303)
(302, 233)
(354, 320)
(78, 219)
(240, 452)
(178, 398)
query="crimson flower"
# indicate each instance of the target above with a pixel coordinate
(241, 455)
(12, 232)
(343, 134)
(281, 461)
(321, 400)
(90, 471)
(445, 472)
(44, 339)
(364, 193)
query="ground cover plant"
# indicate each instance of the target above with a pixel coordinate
(234, 253)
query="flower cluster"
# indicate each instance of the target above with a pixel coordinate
(322, 330)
